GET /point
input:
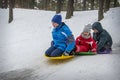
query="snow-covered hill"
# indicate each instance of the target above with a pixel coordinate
(24, 41)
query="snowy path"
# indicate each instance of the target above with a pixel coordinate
(97, 67)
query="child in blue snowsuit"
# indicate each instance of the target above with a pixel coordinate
(63, 39)
(103, 38)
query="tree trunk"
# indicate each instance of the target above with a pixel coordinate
(27, 4)
(70, 9)
(92, 4)
(45, 4)
(0, 3)
(18, 3)
(107, 5)
(84, 4)
(59, 5)
(115, 3)
(13, 3)
(100, 12)
(4, 4)
(10, 11)
(21, 3)
(31, 4)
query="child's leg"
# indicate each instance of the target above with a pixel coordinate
(77, 48)
(57, 52)
(50, 50)
(84, 49)
(108, 48)
(105, 50)
(80, 48)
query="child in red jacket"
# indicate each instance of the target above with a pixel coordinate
(85, 42)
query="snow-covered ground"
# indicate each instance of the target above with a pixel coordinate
(24, 41)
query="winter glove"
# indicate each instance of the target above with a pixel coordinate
(72, 53)
(52, 43)
(66, 53)
(93, 50)
(78, 42)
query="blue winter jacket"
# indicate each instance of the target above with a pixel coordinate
(63, 38)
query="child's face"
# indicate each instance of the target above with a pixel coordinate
(95, 30)
(86, 33)
(55, 24)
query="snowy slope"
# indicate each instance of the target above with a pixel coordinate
(24, 41)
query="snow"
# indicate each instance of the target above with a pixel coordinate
(24, 41)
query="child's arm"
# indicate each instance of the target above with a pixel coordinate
(95, 36)
(93, 46)
(70, 43)
(80, 41)
(77, 41)
(102, 41)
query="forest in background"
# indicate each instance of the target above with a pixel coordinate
(60, 5)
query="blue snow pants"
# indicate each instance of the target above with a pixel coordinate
(53, 52)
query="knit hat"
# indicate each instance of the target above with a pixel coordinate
(57, 19)
(87, 28)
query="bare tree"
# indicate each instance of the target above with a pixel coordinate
(10, 11)
(115, 3)
(84, 4)
(107, 5)
(70, 9)
(59, 5)
(4, 3)
(45, 4)
(0, 3)
(92, 4)
(20, 3)
(31, 4)
(24, 4)
(100, 12)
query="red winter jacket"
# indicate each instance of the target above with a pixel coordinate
(85, 45)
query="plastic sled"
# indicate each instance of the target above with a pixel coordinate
(85, 53)
(60, 57)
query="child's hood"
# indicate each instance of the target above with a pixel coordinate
(98, 26)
